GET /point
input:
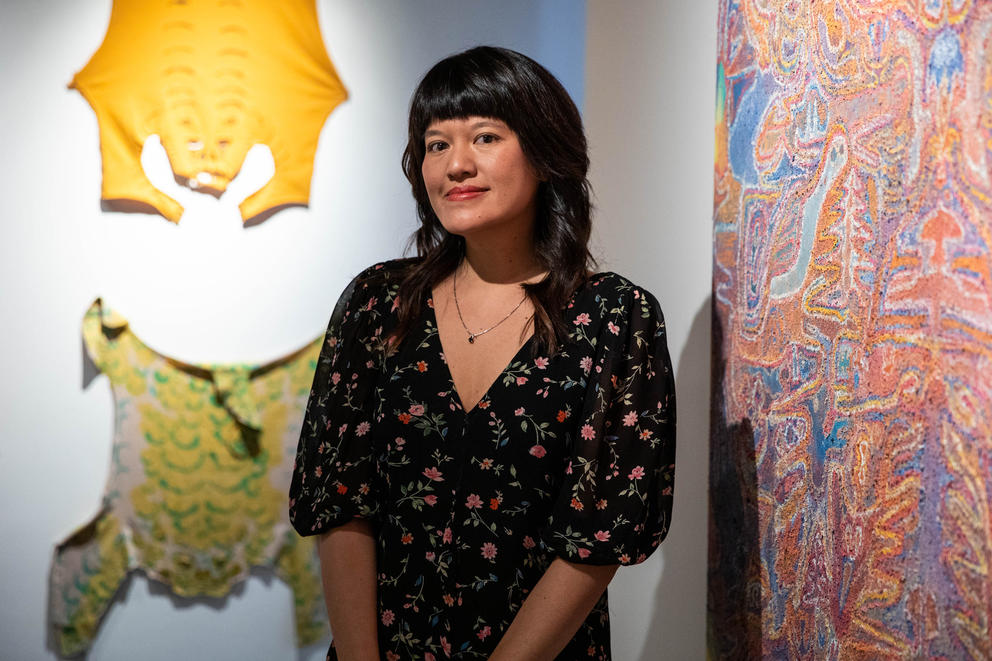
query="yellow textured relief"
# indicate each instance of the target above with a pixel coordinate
(196, 498)
(211, 78)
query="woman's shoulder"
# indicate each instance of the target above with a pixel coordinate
(380, 280)
(391, 271)
(373, 289)
(609, 291)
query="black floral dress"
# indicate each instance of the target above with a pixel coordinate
(570, 455)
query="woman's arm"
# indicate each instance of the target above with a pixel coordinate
(347, 569)
(553, 611)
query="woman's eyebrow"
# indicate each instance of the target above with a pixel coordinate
(488, 122)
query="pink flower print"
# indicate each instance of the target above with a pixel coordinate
(342, 429)
(541, 362)
(602, 535)
(529, 542)
(445, 646)
(586, 364)
(484, 404)
(538, 451)
(584, 553)
(613, 328)
(371, 303)
(421, 366)
(486, 464)
(582, 320)
(369, 364)
(392, 656)
(400, 442)
(336, 378)
(519, 411)
(630, 419)
(429, 657)
(387, 617)
(645, 434)
(624, 559)
(473, 501)
(416, 409)
(521, 380)
(433, 474)
(431, 500)
(484, 632)
(446, 536)
(448, 600)
(429, 556)
(587, 432)
(488, 550)
(362, 429)
(601, 504)
(637, 473)
(318, 471)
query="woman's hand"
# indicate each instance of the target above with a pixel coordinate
(553, 611)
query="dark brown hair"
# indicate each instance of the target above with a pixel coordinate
(502, 84)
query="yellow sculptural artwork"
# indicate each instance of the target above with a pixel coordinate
(211, 78)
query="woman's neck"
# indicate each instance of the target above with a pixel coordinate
(505, 259)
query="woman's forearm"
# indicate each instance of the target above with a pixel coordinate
(347, 569)
(553, 611)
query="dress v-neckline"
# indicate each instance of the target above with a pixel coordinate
(451, 379)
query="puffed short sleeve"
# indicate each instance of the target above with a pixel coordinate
(615, 502)
(334, 474)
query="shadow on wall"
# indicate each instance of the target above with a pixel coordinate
(733, 622)
(682, 583)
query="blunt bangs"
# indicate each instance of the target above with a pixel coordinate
(480, 82)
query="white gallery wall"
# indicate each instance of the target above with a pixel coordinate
(208, 290)
(649, 108)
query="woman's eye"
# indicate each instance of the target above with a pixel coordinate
(487, 138)
(436, 146)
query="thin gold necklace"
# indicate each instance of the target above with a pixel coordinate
(471, 335)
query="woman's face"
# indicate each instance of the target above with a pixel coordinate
(477, 176)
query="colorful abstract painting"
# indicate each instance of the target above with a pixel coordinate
(851, 468)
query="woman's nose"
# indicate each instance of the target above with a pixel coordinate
(461, 163)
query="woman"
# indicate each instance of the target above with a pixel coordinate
(491, 428)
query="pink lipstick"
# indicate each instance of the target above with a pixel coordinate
(462, 193)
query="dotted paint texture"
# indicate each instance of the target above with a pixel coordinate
(851, 466)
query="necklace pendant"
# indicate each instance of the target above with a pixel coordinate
(471, 339)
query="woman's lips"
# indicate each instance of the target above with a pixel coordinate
(461, 193)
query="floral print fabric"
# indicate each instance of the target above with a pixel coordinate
(569, 455)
